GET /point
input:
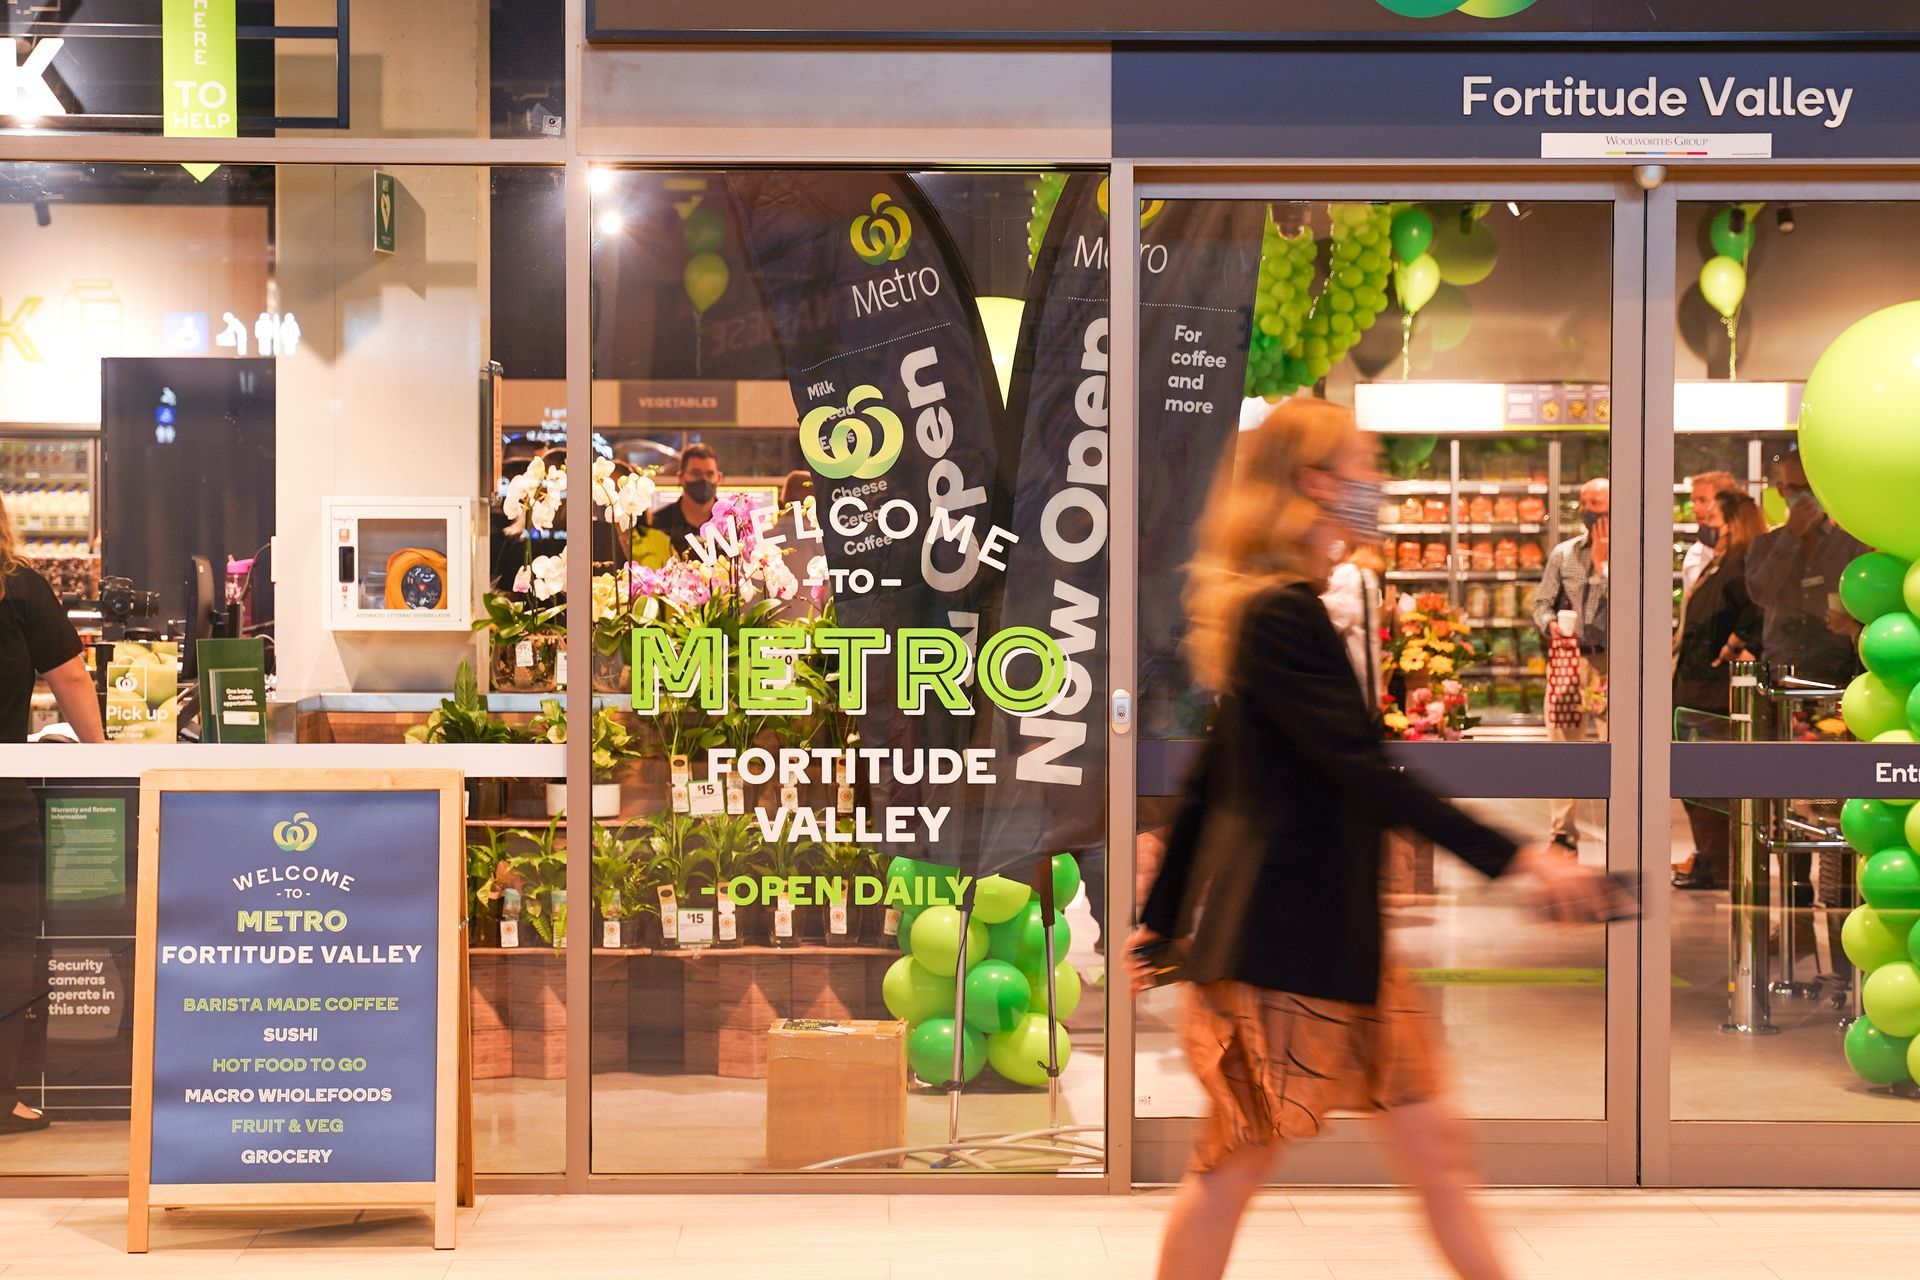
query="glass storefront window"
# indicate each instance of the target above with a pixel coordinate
(800, 378)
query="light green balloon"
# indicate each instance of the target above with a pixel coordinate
(997, 899)
(1723, 283)
(1464, 257)
(1891, 995)
(1871, 706)
(1871, 939)
(1416, 282)
(936, 940)
(1446, 320)
(913, 993)
(1860, 429)
(705, 278)
(1066, 988)
(1021, 1054)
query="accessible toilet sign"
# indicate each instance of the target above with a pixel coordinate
(295, 1021)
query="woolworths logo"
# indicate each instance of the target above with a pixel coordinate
(857, 442)
(296, 835)
(1472, 8)
(882, 235)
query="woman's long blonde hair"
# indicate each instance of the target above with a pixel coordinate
(9, 548)
(1258, 527)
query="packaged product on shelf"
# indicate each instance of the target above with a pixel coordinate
(1479, 600)
(1480, 510)
(1503, 647)
(1506, 554)
(1532, 508)
(1434, 555)
(1506, 510)
(1480, 554)
(1410, 511)
(1434, 511)
(1531, 556)
(1409, 557)
(1506, 601)
(1389, 511)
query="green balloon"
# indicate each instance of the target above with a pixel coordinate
(1416, 282)
(930, 1051)
(1464, 257)
(1022, 943)
(906, 931)
(1860, 429)
(1913, 1063)
(1909, 583)
(1909, 829)
(1728, 243)
(1773, 506)
(1723, 283)
(997, 899)
(1871, 706)
(936, 940)
(1066, 880)
(1412, 233)
(1021, 1054)
(1891, 996)
(1066, 988)
(1871, 939)
(1873, 825)
(1891, 881)
(1446, 320)
(1874, 584)
(705, 231)
(913, 993)
(1875, 1056)
(705, 279)
(997, 997)
(1890, 646)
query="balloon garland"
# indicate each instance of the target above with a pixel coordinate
(1723, 277)
(1857, 440)
(1280, 305)
(1005, 1022)
(1046, 195)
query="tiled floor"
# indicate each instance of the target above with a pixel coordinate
(1546, 1235)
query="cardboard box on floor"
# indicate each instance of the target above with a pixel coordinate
(835, 1089)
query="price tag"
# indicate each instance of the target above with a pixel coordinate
(729, 923)
(695, 927)
(523, 655)
(680, 798)
(891, 926)
(736, 795)
(783, 919)
(610, 934)
(669, 915)
(837, 919)
(704, 798)
(679, 770)
(509, 933)
(789, 796)
(842, 771)
(843, 798)
(560, 669)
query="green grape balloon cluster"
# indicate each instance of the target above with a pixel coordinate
(1004, 1024)
(1882, 936)
(1046, 195)
(1280, 308)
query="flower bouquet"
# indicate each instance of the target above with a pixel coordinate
(1427, 645)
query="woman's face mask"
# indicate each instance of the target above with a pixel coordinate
(1709, 535)
(1355, 506)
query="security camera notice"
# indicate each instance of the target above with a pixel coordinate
(295, 985)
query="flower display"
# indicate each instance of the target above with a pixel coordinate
(1428, 643)
(627, 498)
(535, 496)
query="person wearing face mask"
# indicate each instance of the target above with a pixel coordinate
(1700, 554)
(1571, 603)
(700, 478)
(1270, 879)
(1793, 574)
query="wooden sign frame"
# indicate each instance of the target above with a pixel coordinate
(437, 1196)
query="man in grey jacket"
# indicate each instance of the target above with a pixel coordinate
(1574, 581)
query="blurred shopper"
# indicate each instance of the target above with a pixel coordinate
(1699, 555)
(1793, 575)
(1719, 625)
(36, 639)
(1270, 879)
(1571, 604)
(1355, 598)
(700, 478)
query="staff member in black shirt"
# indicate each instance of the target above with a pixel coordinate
(1272, 870)
(35, 639)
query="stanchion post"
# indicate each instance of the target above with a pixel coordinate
(1748, 1012)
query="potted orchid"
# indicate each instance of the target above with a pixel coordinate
(628, 596)
(528, 621)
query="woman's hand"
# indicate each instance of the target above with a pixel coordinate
(1564, 890)
(1140, 972)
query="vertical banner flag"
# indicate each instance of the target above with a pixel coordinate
(1199, 267)
(199, 69)
(1052, 761)
(890, 371)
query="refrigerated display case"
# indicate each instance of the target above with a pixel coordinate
(48, 482)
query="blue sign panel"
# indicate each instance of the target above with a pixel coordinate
(296, 971)
(1595, 105)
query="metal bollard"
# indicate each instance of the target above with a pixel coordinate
(1776, 721)
(1749, 1011)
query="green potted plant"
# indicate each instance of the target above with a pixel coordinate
(672, 860)
(619, 900)
(613, 744)
(848, 864)
(464, 718)
(540, 867)
(526, 640)
(785, 859)
(732, 848)
(484, 889)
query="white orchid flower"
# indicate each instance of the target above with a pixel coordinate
(817, 569)
(522, 580)
(545, 510)
(549, 576)
(602, 470)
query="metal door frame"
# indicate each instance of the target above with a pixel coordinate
(1548, 1152)
(1732, 1153)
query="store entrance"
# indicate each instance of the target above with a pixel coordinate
(1488, 335)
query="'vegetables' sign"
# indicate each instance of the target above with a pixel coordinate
(294, 1038)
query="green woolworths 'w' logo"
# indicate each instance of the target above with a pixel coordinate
(883, 235)
(296, 836)
(1472, 8)
(856, 442)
